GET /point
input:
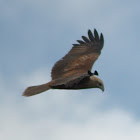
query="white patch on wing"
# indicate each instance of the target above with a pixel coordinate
(84, 57)
(80, 61)
(77, 63)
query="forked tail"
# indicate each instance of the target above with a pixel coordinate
(33, 90)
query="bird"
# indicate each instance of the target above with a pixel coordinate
(73, 71)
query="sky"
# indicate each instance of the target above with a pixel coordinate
(34, 34)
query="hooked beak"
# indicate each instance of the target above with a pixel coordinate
(102, 88)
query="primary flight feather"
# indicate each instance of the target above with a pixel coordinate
(73, 71)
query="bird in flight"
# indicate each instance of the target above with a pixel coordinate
(73, 71)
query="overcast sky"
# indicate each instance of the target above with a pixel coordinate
(34, 34)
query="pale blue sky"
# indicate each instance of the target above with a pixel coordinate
(36, 34)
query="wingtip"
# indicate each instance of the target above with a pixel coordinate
(85, 39)
(76, 44)
(80, 41)
(92, 37)
(96, 35)
(95, 30)
(89, 31)
(102, 38)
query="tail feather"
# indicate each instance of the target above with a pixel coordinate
(33, 90)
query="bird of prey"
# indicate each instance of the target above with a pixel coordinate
(73, 71)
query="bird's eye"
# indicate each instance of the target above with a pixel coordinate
(100, 84)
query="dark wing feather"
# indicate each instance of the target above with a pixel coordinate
(85, 39)
(91, 37)
(80, 41)
(96, 35)
(80, 58)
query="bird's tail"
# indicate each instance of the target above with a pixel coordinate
(33, 90)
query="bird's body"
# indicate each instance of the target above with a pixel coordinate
(73, 70)
(86, 82)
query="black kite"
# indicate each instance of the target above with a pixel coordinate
(73, 71)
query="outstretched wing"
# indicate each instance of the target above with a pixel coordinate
(80, 58)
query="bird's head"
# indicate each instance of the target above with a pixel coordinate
(98, 83)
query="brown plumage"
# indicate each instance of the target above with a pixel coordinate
(73, 70)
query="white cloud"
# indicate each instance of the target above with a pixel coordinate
(61, 115)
